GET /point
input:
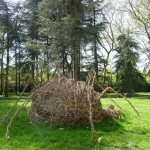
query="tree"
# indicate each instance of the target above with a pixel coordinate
(2, 59)
(99, 25)
(19, 42)
(32, 27)
(72, 24)
(108, 38)
(127, 58)
(8, 35)
(140, 14)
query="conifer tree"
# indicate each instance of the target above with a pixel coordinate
(71, 24)
(126, 63)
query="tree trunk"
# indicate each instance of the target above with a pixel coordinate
(76, 64)
(37, 69)
(63, 62)
(33, 65)
(2, 74)
(2, 68)
(105, 68)
(19, 74)
(7, 68)
(76, 10)
(16, 72)
(79, 61)
(95, 48)
(47, 60)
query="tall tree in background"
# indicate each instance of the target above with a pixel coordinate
(33, 35)
(140, 13)
(2, 59)
(19, 41)
(127, 58)
(108, 40)
(99, 23)
(73, 9)
(72, 36)
(8, 35)
(70, 23)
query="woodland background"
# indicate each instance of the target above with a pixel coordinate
(40, 39)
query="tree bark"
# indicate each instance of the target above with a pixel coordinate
(37, 68)
(95, 48)
(2, 68)
(19, 74)
(105, 68)
(7, 68)
(33, 65)
(16, 72)
(75, 65)
(47, 60)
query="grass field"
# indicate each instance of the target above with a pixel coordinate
(122, 134)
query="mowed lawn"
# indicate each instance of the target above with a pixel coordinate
(122, 134)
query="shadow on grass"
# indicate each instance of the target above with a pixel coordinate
(105, 125)
(137, 95)
(142, 97)
(13, 97)
(25, 127)
(108, 125)
(39, 136)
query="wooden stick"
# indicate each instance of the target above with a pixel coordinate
(13, 117)
(115, 103)
(90, 82)
(129, 103)
(19, 98)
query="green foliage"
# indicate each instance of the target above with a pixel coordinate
(128, 77)
(123, 134)
(39, 36)
(72, 25)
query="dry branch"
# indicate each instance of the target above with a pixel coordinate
(90, 81)
(15, 104)
(66, 101)
(15, 114)
(128, 103)
(115, 103)
(119, 94)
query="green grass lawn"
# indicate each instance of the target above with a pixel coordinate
(122, 134)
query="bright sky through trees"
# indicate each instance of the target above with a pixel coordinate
(39, 37)
(117, 4)
(16, 0)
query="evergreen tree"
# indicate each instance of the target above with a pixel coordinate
(19, 42)
(126, 63)
(6, 20)
(71, 23)
(32, 27)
